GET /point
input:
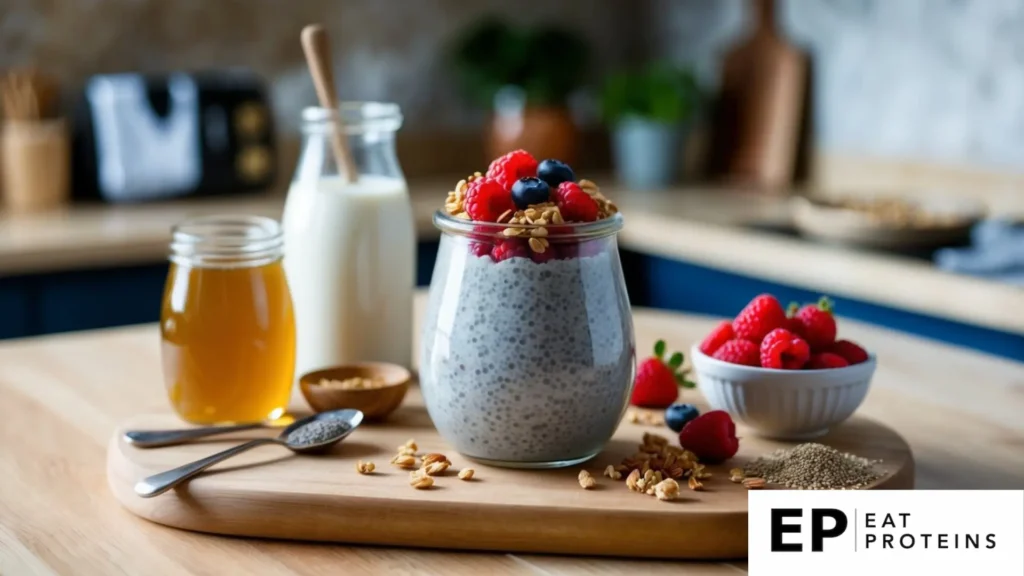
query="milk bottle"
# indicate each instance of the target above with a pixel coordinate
(350, 245)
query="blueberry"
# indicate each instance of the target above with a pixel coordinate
(528, 191)
(677, 415)
(554, 172)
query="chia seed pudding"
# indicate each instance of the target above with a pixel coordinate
(526, 363)
(527, 352)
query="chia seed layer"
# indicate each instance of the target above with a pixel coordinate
(526, 362)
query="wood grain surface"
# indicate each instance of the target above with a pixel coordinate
(62, 397)
(268, 492)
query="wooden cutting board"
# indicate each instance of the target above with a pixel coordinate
(759, 113)
(269, 492)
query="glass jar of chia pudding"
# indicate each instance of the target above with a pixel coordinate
(527, 349)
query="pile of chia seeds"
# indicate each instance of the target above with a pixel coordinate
(814, 466)
(316, 432)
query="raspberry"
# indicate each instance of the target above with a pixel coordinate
(511, 248)
(762, 315)
(738, 351)
(511, 167)
(850, 352)
(575, 204)
(816, 324)
(480, 248)
(781, 349)
(826, 360)
(542, 257)
(486, 200)
(711, 436)
(720, 335)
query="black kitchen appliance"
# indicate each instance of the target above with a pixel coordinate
(150, 137)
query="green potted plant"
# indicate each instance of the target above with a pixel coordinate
(525, 76)
(649, 112)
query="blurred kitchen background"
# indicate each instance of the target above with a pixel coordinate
(870, 149)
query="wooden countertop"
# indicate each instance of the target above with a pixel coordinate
(715, 228)
(63, 396)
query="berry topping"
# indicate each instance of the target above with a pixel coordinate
(511, 167)
(575, 204)
(511, 248)
(850, 352)
(530, 190)
(677, 415)
(762, 315)
(554, 172)
(720, 335)
(815, 324)
(784, 350)
(826, 360)
(541, 257)
(711, 436)
(480, 248)
(739, 351)
(657, 383)
(486, 200)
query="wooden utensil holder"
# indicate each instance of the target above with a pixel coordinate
(36, 163)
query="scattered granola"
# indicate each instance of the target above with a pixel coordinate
(466, 474)
(586, 480)
(655, 453)
(436, 468)
(754, 483)
(736, 475)
(667, 489)
(420, 481)
(365, 467)
(612, 473)
(404, 461)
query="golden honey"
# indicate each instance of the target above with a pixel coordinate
(228, 336)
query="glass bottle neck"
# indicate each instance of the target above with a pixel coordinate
(368, 131)
(226, 242)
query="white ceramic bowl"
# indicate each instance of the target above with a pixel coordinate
(784, 404)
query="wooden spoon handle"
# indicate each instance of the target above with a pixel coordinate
(316, 46)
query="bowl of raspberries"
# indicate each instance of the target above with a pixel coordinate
(783, 372)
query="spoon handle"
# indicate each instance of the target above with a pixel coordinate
(159, 483)
(156, 438)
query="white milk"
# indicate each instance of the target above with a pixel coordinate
(349, 257)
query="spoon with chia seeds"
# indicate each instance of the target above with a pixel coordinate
(311, 435)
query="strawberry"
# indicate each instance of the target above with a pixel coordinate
(762, 315)
(720, 335)
(783, 349)
(711, 436)
(850, 352)
(816, 324)
(739, 351)
(657, 383)
(826, 360)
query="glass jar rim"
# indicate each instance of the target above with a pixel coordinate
(225, 240)
(353, 117)
(566, 231)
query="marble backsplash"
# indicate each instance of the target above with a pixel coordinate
(938, 81)
(929, 80)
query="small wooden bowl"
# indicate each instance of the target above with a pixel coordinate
(375, 403)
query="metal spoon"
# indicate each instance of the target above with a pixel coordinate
(159, 483)
(157, 438)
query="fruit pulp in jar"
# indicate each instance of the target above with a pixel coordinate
(228, 342)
